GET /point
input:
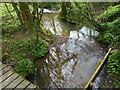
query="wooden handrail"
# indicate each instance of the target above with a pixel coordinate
(97, 70)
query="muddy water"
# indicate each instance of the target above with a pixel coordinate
(71, 64)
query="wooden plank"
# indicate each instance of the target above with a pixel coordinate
(9, 80)
(15, 82)
(24, 84)
(0, 86)
(0, 63)
(97, 70)
(31, 86)
(6, 75)
(2, 67)
(0, 72)
(6, 69)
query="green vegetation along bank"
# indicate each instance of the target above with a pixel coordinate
(24, 41)
(108, 25)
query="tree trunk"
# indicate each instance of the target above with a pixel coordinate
(63, 11)
(17, 11)
(27, 17)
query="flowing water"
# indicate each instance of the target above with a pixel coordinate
(71, 64)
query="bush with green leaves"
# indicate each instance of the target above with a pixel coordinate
(113, 65)
(113, 26)
(109, 38)
(73, 14)
(25, 51)
(111, 32)
(30, 48)
(25, 67)
(52, 5)
(110, 14)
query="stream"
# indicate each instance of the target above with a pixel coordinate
(70, 64)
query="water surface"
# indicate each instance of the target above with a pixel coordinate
(71, 64)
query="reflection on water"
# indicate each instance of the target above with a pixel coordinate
(57, 26)
(71, 64)
(68, 65)
(61, 28)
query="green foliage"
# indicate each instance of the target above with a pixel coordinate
(30, 48)
(117, 83)
(113, 65)
(25, 51)
(52, 5)
(50, 34)
(111, 14)
(114, 26)
(5, 14)
(25, 67)
(109, 38)
(73, 15)
(8, 24)
(111, 33)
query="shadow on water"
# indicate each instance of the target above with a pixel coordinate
(71, 64)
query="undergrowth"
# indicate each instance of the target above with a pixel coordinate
(25, 52)
(110, 20)
(111, 14)
(113, 65)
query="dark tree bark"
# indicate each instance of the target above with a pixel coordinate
(27, 17)
(63, 11)
(17, 11)
(9, 12)
(35, 6)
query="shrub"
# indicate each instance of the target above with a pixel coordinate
(109, 38)
(111, 33)
(25, 67)
(30, 48)
(115, 25)
(113, 65)
(111, 14)
(26, 50)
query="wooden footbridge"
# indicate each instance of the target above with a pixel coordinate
(12, 81)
